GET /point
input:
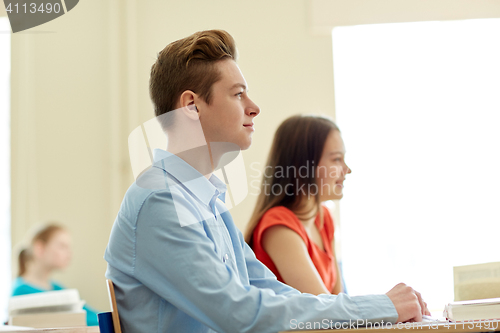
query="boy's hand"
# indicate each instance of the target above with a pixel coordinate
(408, 303)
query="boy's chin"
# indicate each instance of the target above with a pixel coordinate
(245, 147)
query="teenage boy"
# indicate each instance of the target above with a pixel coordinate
(178, 262)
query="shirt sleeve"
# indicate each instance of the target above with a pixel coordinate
(260, 276)
(181, 265)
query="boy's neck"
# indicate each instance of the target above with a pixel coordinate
(199, 158)
(204, 158)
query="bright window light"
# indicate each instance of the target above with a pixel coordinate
(419, 109)
(5, 272)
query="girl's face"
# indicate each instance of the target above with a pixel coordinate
(332, 169)
(56, 253)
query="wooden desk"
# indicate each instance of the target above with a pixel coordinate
(85, 329)
(466, 327)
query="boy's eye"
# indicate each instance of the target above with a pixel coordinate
(239, 94)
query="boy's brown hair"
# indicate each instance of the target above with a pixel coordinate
(189, 64)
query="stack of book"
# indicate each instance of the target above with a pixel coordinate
(62, 308)
(479, 309)
(478, 281)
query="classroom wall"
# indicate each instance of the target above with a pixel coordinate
(80, 86)
(60, 125)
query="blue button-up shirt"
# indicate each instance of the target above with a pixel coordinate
(179, 264)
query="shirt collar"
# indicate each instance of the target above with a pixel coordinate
(201, 187)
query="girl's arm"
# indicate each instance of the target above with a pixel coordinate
(289, 254)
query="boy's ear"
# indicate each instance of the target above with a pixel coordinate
(187, 105)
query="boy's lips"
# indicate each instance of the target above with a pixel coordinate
(249, 126)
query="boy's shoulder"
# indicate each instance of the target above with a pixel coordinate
(152, 180)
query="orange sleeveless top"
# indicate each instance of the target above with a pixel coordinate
(324, 261)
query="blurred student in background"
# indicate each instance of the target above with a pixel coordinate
(290, 230)
(49, 250)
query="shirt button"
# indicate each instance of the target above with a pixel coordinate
(226, 258)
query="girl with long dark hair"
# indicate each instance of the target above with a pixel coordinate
(290, 230)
